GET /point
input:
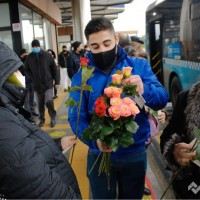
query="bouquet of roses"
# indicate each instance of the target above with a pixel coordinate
(113, 118)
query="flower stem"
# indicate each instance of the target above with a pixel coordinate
(77, 122)
(95, 163)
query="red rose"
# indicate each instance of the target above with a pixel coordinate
(100, 107)
(84, 62)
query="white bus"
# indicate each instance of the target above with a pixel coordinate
(173, 43)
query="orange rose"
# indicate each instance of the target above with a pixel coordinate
(134, 109)
(127, 71)
(117, 78)
(114, 112)
(113, 92)
(125, 110)
(117, 92)
(115, 101)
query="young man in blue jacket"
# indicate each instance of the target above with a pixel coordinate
(128, 165)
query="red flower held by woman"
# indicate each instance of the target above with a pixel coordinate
(100, 107)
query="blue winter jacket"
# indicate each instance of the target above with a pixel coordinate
(154, 95)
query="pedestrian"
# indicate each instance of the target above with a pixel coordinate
(29, 101)
(23, 54)
(175, 144)
(124, 40)
(136, 42)
(62, 61)
(41, 68)
(73, 61)
(128, 165)
(58, 68)
(32, 167)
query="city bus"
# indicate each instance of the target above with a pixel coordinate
(173, 43)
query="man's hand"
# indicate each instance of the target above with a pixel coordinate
(182, 154)
(135, 80)
(102, 147)
(68, 141)
(162, 116)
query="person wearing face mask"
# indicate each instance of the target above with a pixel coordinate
(73, 61)
(62, 61)
(128, 165)
(41, 68)
(32, 166)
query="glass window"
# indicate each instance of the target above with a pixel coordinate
(47, 34)
(4, 15)
(38, 29)
(194, 40)
(27, 27)
(6, 37)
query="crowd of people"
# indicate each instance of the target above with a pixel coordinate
(33, 166)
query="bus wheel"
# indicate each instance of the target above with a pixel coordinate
(175, 89)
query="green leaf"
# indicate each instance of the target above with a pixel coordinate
(107, 130)
(114, 144)
(126, 141)
(87, 135)
(130, 90)
(86, 73)
(87, 88)
(73, 89)
(131, 126)
(196, 132)
(71, 102)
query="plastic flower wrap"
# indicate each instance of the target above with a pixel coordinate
(113, 118)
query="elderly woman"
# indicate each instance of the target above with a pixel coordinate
(176, 144)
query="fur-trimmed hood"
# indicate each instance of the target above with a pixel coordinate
(192, 111)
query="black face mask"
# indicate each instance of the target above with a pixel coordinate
(105, 60)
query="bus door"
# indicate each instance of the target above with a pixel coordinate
(155, 47)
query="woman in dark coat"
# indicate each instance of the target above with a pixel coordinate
(31, 165)
(176, 144)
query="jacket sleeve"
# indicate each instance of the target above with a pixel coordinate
(27, 70)
(24, 174)
(154, 94)
(174, 132)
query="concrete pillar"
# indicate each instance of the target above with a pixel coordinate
(81, 14)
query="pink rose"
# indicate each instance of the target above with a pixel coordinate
(125, 110)
(134, 109)
(127, 71)
(114, 112)
(117, 78)
(127, 100)
(115, 101)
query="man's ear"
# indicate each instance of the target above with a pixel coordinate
(117, 38)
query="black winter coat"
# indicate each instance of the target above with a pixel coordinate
(31, 165)
(73, 64)
(42, 70)
(185, 116)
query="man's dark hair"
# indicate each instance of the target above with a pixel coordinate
(98, 24)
